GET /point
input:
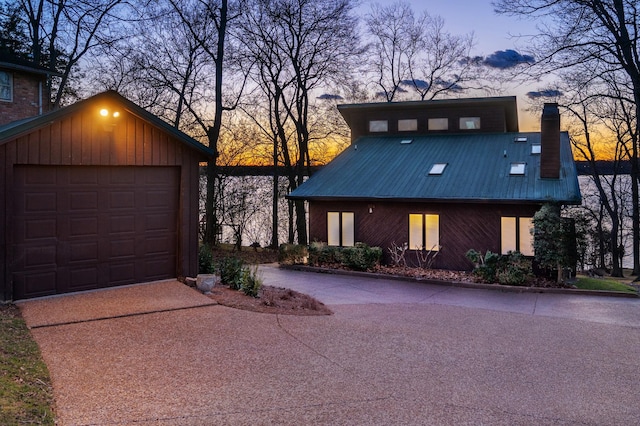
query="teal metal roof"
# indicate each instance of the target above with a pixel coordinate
(478, 170)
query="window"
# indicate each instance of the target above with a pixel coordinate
(424, 232)
(6, 86)
(469, 123)
(517, 168)
(378, 126)
(438, 124)
(340, 229)
(408, 125)
(437, 168)
(515, 235)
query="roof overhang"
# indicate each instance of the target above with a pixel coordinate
(507, 102)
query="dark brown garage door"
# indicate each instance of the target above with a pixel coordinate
(79, 228)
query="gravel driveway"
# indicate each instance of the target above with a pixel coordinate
(180, 361)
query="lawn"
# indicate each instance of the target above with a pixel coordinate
(609, 284)
(26, 395)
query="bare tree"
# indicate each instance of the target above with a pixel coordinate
(62, 32)
(416, 53)
(597, 35)
(298, 46)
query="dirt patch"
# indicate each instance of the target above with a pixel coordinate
(271, 300)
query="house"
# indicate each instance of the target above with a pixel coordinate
(97, 194)
(23, 89)
(441, 176)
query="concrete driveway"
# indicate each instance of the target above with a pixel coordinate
(392, 353)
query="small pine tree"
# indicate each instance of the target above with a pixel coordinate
(550, 239)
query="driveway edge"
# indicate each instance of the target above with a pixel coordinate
(461, 284)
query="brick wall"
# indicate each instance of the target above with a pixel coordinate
(25, 101)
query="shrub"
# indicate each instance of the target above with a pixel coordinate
(231, 272)
(292, 254)
(321, 254)
(510, 269)
(205, 260)
(361, 257)
(251, 281)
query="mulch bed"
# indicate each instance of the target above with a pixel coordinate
(271, 300)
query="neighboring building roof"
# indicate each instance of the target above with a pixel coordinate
(12, 63)
(21, 127)
(477, 170)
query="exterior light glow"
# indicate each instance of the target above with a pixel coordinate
(116, 114)
(104, 112)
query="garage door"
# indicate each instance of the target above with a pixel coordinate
(79, 228)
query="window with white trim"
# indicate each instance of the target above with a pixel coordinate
(424, 232)
(409, 125)
(515, 235)
(469, 123)
(438, 124)
(378, 126)
(341, 229)
(6, 86)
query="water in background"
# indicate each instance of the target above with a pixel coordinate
(247, 208)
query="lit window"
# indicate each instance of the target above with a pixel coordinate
(6, 86)
(424, 232)
(408, 125)
(438, 124)
(340, 229)
(517, 168)
(437, 168)
(536, 148)
(378, 126)
(516, 235)
(469, 123)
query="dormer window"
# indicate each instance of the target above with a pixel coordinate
(438, 124)
(410, 125)
(469, 123)
(517, 169)
(437, 168)
(6, 86)
(378, 126)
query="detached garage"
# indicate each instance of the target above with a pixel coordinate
(97, 194)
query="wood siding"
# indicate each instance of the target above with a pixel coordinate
(462, 226)
(492, 119)
(85, 139)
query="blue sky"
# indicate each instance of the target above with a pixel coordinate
(492, 33)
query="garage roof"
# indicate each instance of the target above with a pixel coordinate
(17, 128)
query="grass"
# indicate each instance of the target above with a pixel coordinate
(609, 284)
(26, 395)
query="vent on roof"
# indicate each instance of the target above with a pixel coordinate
(517, 168)
(437, 168)
(536, 148)
(520, 139)
(406, 141)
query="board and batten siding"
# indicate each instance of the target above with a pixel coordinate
(83, 138)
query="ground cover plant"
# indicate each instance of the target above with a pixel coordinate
(26, 395)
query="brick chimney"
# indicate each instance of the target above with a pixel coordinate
(550, 142)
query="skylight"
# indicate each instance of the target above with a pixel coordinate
(517, 168)
(520, 139)
(536, 148)
(406, 141)
(437, 168)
